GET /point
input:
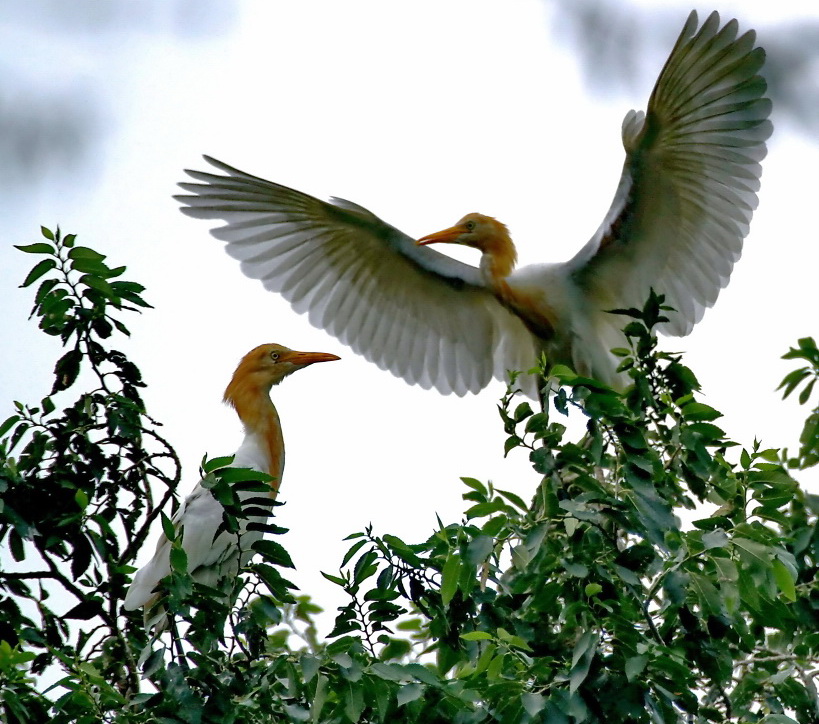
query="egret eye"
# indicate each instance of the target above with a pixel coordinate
(274, 356)
(470, 225)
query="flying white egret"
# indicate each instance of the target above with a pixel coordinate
(679, 216)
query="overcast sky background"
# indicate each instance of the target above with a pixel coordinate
(421, 112)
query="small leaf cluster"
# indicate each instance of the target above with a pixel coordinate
(808, 455)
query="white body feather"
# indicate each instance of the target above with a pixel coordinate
(210, 557)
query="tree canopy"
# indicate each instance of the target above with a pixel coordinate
(593, 602)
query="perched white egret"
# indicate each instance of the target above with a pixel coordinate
(210, 556)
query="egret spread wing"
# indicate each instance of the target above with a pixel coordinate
(420, 314)
(688, 188)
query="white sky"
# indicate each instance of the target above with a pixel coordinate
(421, 112)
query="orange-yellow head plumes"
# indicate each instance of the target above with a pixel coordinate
(484, 233)
(263, 367)
(249, 394)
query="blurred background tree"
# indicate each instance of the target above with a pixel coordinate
(45, 130)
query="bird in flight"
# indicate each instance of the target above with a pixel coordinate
(213, 555)
(681, 210)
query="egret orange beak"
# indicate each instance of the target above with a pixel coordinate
(447, 236)
(308, 358)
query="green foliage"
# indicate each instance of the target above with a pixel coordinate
(594, 602)
(809, 439)
(76, 483)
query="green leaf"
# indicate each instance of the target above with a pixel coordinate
(422, 674)
(711, 523)
(522, 411)
(67, 370)
(592, 589)
(178, 558)
(728, 570)
(533, 703)
(479, 549)
(334, 579)
(476, 485)
(389, 672)
(697, 411)
(476, 636)
(784, 579)
(708, 594)
(353, 703)
(42, 267)
(511, 443)
(38, 248)
(244, 478)
(352, 551)
(95, 282)
(805, 394)
(47, 233)
(635, 666)
(495, 525)
(757, 553)
(493, 671)
(483, 509)
(121, 285)
(167, 526)
(514, 499)
(8, 424)
(208, 466)
(274, 553)
(538, 423)
(792, 380)
(81, 498)
(408, 693)
(715, 539)
(319, 698)
(84, 252)
(275, 582)
(449, 577)
(90, 266)
(582, 657)
(365, 567)
(512, 639)
(18, 551)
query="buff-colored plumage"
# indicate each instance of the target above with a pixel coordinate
(677, 223)
(212, 557)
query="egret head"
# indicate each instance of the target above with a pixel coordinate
(481, 232)
(267, 365)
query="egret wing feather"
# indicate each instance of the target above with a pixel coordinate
(688, 187)
(420, 314)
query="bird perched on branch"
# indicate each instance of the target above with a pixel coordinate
(679, 216)
(211, 556)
